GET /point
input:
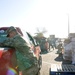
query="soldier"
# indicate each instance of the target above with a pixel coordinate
(25, 58)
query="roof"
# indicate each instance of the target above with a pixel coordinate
(17, 28)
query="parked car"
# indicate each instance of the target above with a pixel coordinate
(8, 56)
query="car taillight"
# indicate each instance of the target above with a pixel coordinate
(1, 51)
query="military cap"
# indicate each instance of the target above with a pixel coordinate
(10, 29)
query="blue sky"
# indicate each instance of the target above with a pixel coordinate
(13, 10)
(30, 14)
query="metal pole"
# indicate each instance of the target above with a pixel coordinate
(68, 26)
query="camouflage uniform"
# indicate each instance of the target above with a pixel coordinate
(25, 58)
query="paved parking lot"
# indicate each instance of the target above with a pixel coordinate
(48, 59)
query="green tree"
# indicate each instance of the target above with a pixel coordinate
(40, 34)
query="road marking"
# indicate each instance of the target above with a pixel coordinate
(46, 62)
(50, 63)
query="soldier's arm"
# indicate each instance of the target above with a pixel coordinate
(8, 42)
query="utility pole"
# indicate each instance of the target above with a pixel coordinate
(68, 26)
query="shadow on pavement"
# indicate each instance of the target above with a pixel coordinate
(66, 62)
(59, 58)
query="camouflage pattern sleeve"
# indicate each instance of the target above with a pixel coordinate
(20, 44)
(14, 42)
(8, 42)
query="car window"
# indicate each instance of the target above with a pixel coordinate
(26, 38)
(32, 39)
(3, 36)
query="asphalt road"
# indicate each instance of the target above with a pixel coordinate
(47, 60)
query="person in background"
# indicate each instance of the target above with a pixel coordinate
(60, 47)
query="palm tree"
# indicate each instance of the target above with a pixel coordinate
(40, 33)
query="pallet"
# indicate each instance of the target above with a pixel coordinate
(58, 69)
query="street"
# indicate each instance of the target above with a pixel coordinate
(48, 59)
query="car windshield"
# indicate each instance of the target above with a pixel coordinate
(27, 37)
(3, 36)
